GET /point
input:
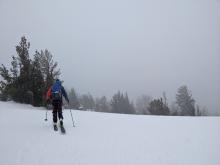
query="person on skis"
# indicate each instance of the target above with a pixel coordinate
(55, 93)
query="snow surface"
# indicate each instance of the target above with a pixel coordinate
(106, 139)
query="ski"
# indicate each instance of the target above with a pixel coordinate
(62, 129)
(55, 127)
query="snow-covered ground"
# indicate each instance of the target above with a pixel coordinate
(106, 139)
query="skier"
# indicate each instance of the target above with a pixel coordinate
(55, 93)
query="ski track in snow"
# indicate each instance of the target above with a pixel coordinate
(109, 139)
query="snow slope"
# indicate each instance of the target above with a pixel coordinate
(106, 139)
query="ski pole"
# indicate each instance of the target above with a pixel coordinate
(72, 117)
(46, 115)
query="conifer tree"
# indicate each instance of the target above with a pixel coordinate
(16, 83)
(102, 104)
(48, 67)
(74, 101)
(24, 62)
(87, 101)
(158, 107)
(37, 83)
(185, 101)
(121, 104)
(27, 81)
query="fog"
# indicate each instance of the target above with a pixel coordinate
(139, 46)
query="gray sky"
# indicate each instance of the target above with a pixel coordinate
(138, 46)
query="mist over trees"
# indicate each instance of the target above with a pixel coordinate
(120, 103)
(102, 105)
(27, 81)
(87, 101)
(142, 104)
(145, 105)
(73, 99)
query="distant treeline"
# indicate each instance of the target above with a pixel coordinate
(144, 105)
(27, 81)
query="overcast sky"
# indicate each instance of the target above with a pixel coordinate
(138, 46)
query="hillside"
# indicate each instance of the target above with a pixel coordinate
(106, 139)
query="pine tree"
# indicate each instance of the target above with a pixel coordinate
(24, 84)
(158, 107)
(74, 101)
(16, 83)
(48, 70)
(115, 103)
(48, 67)
(27, 80)
(102, 104)
(185, 101)
(5, 83)
(37, 83)
(142, 104)
(121, 104)
(87, 101)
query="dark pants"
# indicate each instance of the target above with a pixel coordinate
(57, 109)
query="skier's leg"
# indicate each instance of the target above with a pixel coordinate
(54, 116)
(55, 110)
(60, 114)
